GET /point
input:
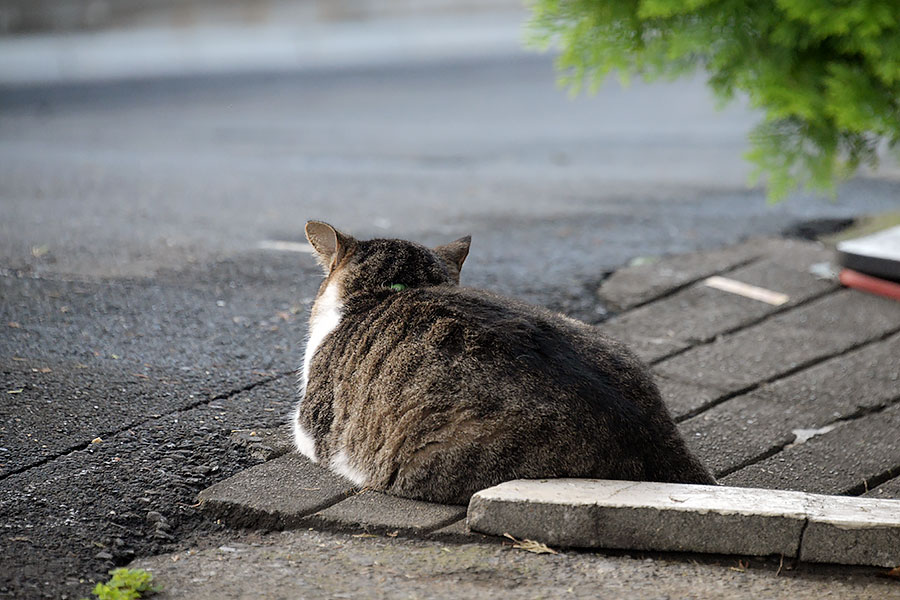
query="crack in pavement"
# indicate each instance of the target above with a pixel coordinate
(674, 290)
(775, 312)
(83, 445)
(859, 414)
(872, 482)
(803, 366)
(800, 539)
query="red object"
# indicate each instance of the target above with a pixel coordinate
(870, 284)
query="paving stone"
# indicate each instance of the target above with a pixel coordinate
(852, 531)
(862, 379)
(786, 341)
(649, 348)
(741, 430)
(837, 462)
(685, 398)
(377, 512)
(677, 517)
(888, 489)
(699, 313)
(278, 494)
(759, 423)
(631, 286)
(642, 516)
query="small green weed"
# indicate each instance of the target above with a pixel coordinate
(126, 584)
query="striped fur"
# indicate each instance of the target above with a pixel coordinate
(436, 391)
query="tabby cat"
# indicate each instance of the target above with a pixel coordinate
(420, 388)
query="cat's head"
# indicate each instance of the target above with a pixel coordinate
(370, 265)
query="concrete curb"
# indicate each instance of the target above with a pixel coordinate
(687, 518)
(224, 49)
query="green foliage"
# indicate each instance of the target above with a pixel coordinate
(826, 73)
(126, 584)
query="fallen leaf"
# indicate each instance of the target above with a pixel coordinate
(14, 325)
(531, 546)
(895, 572)
(742, 566)
(18, 391)
(96, 440)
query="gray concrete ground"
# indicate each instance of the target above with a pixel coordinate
(311, 564)
(145, 331)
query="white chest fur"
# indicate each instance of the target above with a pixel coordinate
(326, 316)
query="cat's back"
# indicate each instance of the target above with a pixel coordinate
(448, 380)
(478, 340)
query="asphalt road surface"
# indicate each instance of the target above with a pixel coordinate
(125, 178)
(143, 322)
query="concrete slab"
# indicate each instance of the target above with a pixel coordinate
(852, 531)
(683, 398)
(889, 489)
(649, 346)
(636, 285)
(840, 461)
(642, 516)
(754, 425)
(860, 380)
(788, 341)
(699, 313)
(279, 494)
(656, 516)
(376, 512)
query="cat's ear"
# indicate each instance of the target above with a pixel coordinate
(330, 244)
(454, 254)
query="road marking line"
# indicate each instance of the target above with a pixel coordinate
(748, 291)
(285, 246)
